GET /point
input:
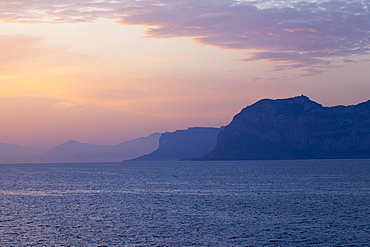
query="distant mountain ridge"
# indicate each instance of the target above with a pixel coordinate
(182, 144)
(295, 128)
(11, 153)
(292, 128)
(74, 151)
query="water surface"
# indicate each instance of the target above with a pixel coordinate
(237, 203)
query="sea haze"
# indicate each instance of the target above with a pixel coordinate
(209, 203)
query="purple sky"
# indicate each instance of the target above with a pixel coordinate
(195, 62)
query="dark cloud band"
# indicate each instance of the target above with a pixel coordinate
(308, 35)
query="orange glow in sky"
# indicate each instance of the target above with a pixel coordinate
(106, 80)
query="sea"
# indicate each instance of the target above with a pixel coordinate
(186, 203)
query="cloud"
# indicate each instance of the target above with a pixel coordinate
(305, 35)
(308, 36)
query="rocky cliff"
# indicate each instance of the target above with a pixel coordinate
(182, 144)
(295, 128)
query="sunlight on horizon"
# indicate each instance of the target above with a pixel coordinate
(187, 70)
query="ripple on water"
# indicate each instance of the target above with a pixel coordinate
(249, 203)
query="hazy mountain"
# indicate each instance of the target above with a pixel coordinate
(295, 128)
(12, 153)
(181, 144)
(73, 151)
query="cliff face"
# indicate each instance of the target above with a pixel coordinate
(181, 144)
(295, 128)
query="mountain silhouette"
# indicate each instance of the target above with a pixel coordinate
(74, 151)
(13, 153)
(295, 128)
(183, 144)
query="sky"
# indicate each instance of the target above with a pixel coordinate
(107, 71)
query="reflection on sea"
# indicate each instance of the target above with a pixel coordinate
(240, 203)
